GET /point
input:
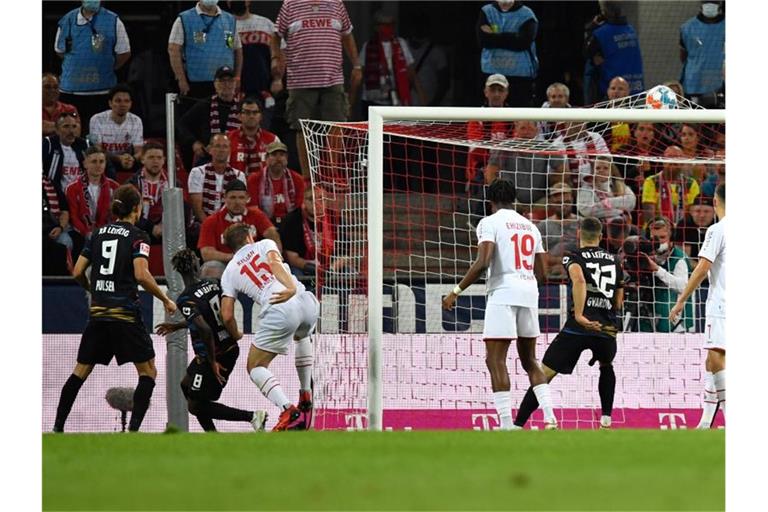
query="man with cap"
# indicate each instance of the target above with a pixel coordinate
(213, 248)
(276, 189)
(559, 229)
(250, 141)
(203, 40)
(217, 114)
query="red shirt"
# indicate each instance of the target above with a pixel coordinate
(60, 107)
(246, 155)
(212, 230)
(281, 202)
(82, 219)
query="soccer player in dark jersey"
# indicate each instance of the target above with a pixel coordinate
(118, 255)
(215, 349)
(598, 293)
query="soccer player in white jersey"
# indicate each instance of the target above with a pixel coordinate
(712, 262)
(288, 312)
(511, 253)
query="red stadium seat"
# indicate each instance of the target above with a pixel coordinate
(156, 260)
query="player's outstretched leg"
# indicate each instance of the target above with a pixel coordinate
(606, 387)
(526, 350)
(69, 393)
(304, 356)
(527, 406)
(496, 361)
(143, 393)
(258, 360)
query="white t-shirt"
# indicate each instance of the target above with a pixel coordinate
(510, 278)
(379, 95)
(70, 169)
(248, 272)
(713, 249)
(117, 138)
(196, 178)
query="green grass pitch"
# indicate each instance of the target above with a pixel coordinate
(457, 470)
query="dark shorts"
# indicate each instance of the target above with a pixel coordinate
(565, 350)
(128, 342)
(321, 103)
(200, 382)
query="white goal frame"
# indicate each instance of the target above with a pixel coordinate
(376, 118)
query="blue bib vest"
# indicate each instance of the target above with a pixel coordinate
(705, 44)
(89, 52)
(522, 64)
(208, 43)
(621, 51)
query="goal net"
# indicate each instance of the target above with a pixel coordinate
(408, 229)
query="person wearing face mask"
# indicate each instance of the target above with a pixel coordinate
(431, 64)
(203, 39)
(92, 43)
(702, 50)
(506, 31)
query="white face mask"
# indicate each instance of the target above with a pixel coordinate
(710, 9)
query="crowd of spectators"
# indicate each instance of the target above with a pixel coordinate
(240, 68)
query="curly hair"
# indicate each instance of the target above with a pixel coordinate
(502, 191)
(185, 262)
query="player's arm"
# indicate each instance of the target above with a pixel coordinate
(579, 291)
(228, 317)
(478, 268)
(147, 281)
(206, 334)
(540, 268)
(166, 328)
(697, 277)
(278, 270)
(618, 299)
(78, 273)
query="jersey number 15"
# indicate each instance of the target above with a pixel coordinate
(257, 271)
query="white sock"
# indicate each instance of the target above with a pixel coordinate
(269, 387)
(305, 358)
(710, 401)
(605, 421)
(545, 401)
(503, 401)
(719, 379)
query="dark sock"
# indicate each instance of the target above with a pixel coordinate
(606, 386)
(527, 406)
(68, 395)
(219, 411)
(141, 401)
(207, 423)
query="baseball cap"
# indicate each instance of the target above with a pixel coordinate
(559, 188)
(276, 146)
(497, 79)
(224, 71)
(235, 186)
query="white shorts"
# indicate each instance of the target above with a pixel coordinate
(714, 332)
(281, 323)
(508, 322)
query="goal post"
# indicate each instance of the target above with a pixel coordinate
(352, 151)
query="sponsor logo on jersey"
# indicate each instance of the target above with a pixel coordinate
(144, 249)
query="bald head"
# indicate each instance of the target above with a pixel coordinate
(671, 169)
(618, 87)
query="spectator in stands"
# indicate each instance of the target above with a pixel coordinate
(315, 32)
(52, 107)
(619, 132)
(119, 132)
(218, 114)
(63, 155)
(206, 183)
(506, 31)
(532, 173)
(559, 229)
(255, 34)
(604, 195)
(249, 142)
(694, 148)
(643, 144)
(714, 178)
(93, 44)
(691, 231)
(90, 197)
(388, 67)
(670, 192)
(558, 96)
(670, 269)
(214, 251)
(581, 145)
(702, 51)
(306, 249)
(276, 189)
(57, 242)
(618, 88)
(203, 39)
(430, 65)
(614, 50)
(150, 181)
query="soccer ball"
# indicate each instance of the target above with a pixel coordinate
(661, 97)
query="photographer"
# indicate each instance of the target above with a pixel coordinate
(659, 271)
